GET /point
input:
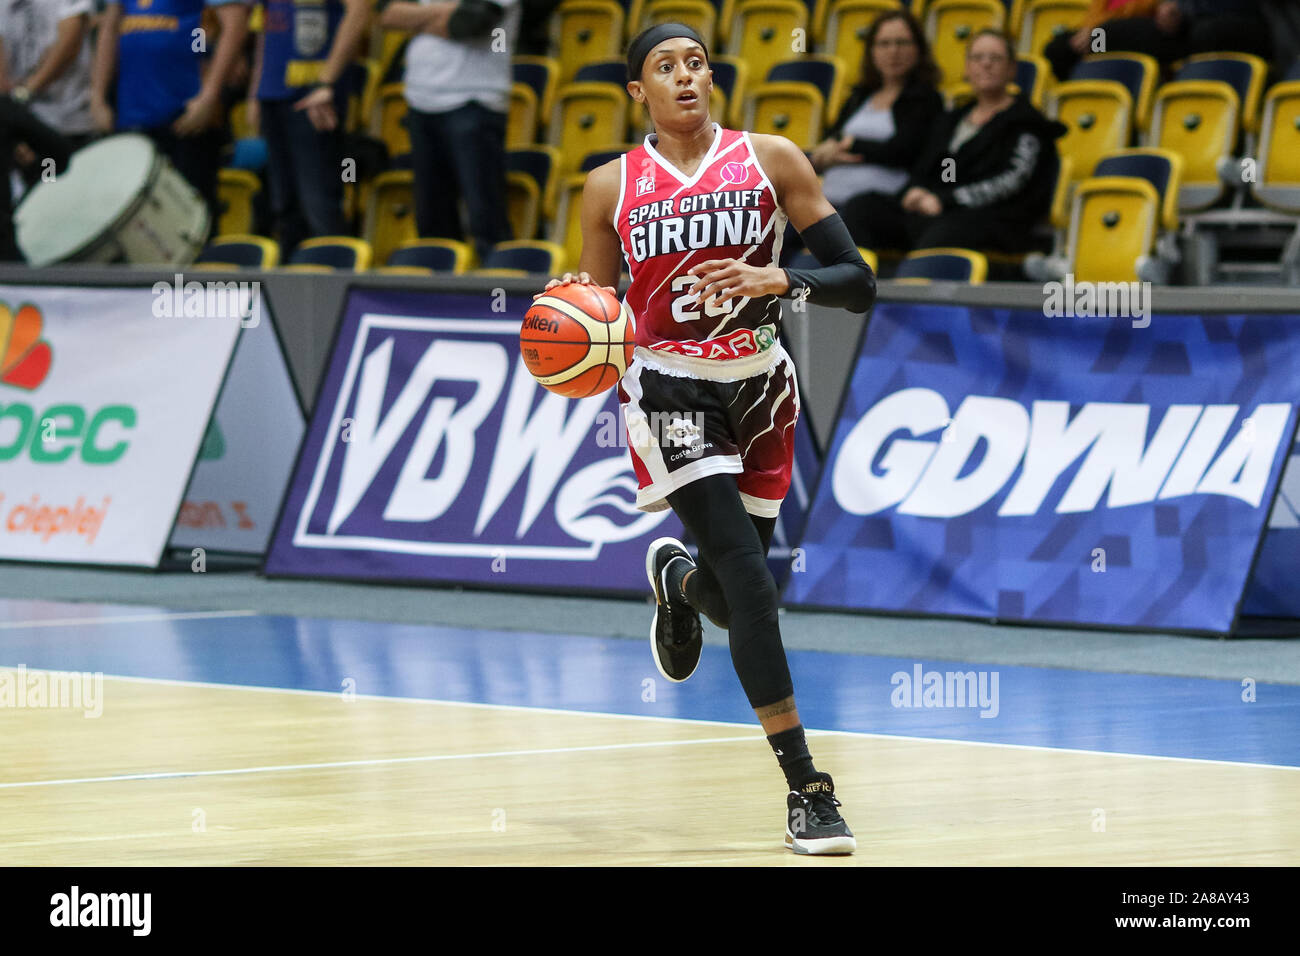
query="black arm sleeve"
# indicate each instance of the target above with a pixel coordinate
(844, 281)
(474, 19)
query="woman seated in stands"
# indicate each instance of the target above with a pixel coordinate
(887, 117)
(1165, 29)
(985, 177)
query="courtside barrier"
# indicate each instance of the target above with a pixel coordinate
(103, 405)
(1003, 463)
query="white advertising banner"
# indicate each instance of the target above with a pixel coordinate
(248, 452)
(105, 396)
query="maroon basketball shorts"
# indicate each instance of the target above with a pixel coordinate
(690, 417)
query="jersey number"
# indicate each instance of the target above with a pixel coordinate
(686, 309)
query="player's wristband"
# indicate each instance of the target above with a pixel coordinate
(844, 281)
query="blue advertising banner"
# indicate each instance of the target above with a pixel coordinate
(433, 455)
(999, 464)
(1274, 589)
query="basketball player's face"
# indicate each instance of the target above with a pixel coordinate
(675, 82)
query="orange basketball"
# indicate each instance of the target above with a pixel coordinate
(577, 340)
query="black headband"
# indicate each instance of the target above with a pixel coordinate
(651, 38)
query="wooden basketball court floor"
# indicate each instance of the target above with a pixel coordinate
(234, 738)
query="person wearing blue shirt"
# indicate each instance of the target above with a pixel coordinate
(302, 53)
(169, 78)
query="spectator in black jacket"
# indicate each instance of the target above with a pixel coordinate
(887, 117)
(985, 176)
(19, 127)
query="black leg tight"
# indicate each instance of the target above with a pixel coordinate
(733, 586)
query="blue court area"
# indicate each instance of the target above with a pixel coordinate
(1025, 706)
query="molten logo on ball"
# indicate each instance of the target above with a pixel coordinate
(577, 340)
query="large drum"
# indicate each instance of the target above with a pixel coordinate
(119, 200)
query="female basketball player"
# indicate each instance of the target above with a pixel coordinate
(698, 213)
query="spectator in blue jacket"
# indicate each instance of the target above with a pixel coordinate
(296, 102)
(164, 87)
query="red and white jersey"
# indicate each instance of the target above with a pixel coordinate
(669, 222)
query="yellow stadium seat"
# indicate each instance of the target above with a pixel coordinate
(1244, 72)
(583, 31)
(1041, 20)
(214, 266)
(950, 25)
(731, 102)
(1278, 175)
(1137, 72)
(869, 258)
(310, 267)
(763, 33)
(257, 252)
(845, 32)
(436, 255)
(587, 116)
(523, 204)
(566, 226)
(944, 264)
(522, 116)
(528, 255)
(340, 253)
(700, 15)
(1198, 120)
(387, 120)
(390, 217)
(542, 74)
(1113, 225)
(792, 110)
(826, 73)
(236, 190)
(1098, 115)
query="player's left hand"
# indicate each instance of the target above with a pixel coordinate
(724, 279)
(581, 277)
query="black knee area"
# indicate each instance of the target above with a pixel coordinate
(755, 631)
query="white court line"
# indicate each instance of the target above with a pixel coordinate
(127, 619)
(378, 761)
(810, 731)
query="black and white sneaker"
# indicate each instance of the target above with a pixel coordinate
(675, 636)
(813, 826)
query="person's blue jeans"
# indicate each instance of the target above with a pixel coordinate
(460, 154)
(304, 172)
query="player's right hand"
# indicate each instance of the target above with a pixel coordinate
(568, 277)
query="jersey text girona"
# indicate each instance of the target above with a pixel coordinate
(668, 222)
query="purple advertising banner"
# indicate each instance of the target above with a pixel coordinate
(434, 456)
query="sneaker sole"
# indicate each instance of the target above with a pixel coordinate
(830, 846)
(655, 545)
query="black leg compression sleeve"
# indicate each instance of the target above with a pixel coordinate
(704, 593)
(732, 548)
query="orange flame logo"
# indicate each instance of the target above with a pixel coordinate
(24, 357)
